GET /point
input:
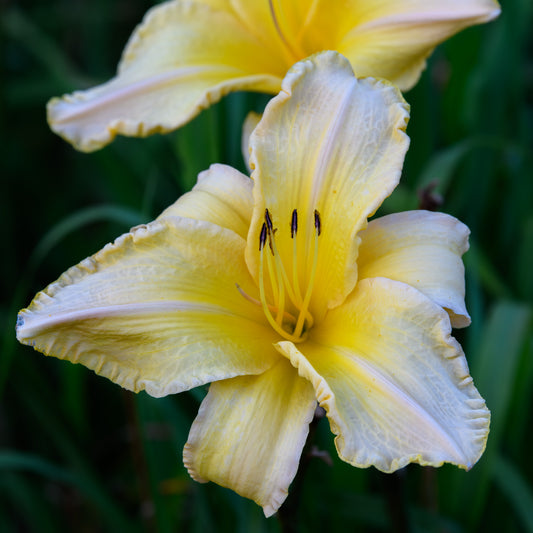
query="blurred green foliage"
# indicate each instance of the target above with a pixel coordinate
(77, 453)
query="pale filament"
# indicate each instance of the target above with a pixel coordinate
(290, 327)
(303, 310)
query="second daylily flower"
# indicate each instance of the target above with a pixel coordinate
(278, 292)
(186, 55)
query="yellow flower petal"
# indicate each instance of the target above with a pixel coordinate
(184, 57)
(250, 123)
(274, 23)
(422, 249)
(331, 143)
(250, 432)
(222, 196)
(156, 310)
(392, 39)
(393, 381)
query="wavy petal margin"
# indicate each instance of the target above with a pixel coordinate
(183, 58)
(394, 383)
(422, 249)
(393, 39)
(222, 196)
(157, 310)
(332, 143)
(250, 432)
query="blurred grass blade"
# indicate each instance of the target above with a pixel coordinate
(16, 461)
(27, 510)
(79, 219)
(525, 260)
(477, 261)
(53, 237)
(516, 488)
(495, 372)
(442, 167)
(19, 27)
(198, 146)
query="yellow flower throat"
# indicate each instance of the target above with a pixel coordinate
(288, 313)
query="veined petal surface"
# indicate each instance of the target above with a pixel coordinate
(222, 196)
(389, 38)
(394, 383)
(422, 249)
(332, 143)
(250, 432)
(156, 310)
(184, 57)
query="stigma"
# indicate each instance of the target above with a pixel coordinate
(284, 298)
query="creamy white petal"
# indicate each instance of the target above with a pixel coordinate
(158, 310)
(250, 432)
(222, 196)
(331, 143)
(422, 249)
(394, 383)
(183, 58)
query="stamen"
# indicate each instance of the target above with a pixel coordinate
(262, 236)
(277, 327)
(303, 310)
(318, 224)
(268, 221)
(294, 223)
(282, 275)
(271, 273)
(246, 296)
(294, 230)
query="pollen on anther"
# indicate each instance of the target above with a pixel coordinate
(318, 224)
(262, 237)
(268, 220)
(294, 223)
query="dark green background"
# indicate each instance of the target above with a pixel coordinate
(77, 453)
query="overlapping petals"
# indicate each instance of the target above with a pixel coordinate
(398, 37)
(422, 249)
(311, 133)
(222, 196)
(155, 310)
(183, 58)
(182, 301)
(186, 55)
(394, 383)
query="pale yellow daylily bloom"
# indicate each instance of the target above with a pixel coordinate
(186, 55)
(279, 292)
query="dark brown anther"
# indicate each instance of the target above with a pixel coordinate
(268, 221)
(294, 223)
(318, 224)
(262, 236)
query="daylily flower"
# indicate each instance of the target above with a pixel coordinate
(186, 55)
(277, 291)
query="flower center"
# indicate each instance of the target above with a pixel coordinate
(287, 307)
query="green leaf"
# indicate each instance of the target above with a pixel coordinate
(518, 491)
